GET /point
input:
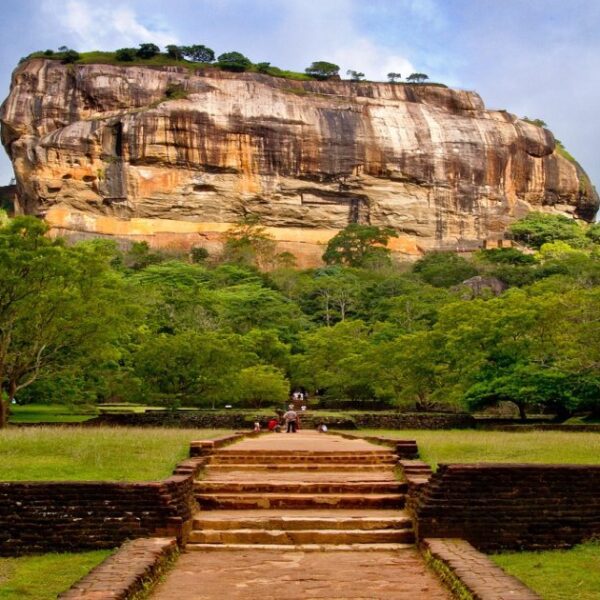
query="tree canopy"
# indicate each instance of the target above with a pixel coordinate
(359, 246)
(323, 70)
(89, 322)
(233, 61)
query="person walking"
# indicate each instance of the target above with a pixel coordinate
(291, 419)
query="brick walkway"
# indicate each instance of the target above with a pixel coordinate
(301, 516)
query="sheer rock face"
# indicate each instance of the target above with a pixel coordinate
(174, 157)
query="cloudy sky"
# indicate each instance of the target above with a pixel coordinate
(539, 58)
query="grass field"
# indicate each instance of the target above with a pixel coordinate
(558, 574)
(49, 413)
(45, 576)
(91, 454)
(467, 446)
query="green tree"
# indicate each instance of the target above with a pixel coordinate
(126, 54)
(59, 305)
(233, 61)
(335, 362)
(444, 269)
(414, 366)
(249, 243)
(538, 228)
(528, 386)
(355, 75)
(174, 51)
(323, 70)
(593, 233)
(359, 246)
(190, 368)
(262, 384)
(146, 51)
(417, 78)
(506, 256)
(199, 53)
(139, 256)
(392, 77)
(70, 56)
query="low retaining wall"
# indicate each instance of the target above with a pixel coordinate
(64, 516)
(509, 506)
(132, 571)
(471, 574)
(44, 516)
(237, 420)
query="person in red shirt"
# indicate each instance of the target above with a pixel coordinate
(273, 424)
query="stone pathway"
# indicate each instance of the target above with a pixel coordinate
(301, 516)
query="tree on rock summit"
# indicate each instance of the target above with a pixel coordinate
(323, 70)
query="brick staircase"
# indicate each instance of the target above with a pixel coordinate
(307, 499)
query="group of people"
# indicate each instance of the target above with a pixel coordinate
(291, 421)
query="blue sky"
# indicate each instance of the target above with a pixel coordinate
(538, 58)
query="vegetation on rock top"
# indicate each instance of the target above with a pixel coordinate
(201, 57)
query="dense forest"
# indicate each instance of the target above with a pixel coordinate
(89, 323)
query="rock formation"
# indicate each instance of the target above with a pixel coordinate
(175, 156)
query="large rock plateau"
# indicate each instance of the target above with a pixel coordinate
(175, 156)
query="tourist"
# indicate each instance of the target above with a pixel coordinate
(256, 427)
(291, 419)
(322, 428)
(274, 425)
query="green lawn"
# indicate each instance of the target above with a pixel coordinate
(557, 574)
(45, 576)
(467, 446)
(50, 413)
(92, 454)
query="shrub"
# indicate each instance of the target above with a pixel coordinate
(198, 254)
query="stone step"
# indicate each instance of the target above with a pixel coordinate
(302, 547)
(212, 468)
(302, 458)
(239, 501)
(291, 475)
(299, 487)
(257, 452)
(293, 522)
(302, 536)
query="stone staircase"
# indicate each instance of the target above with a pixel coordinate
(307, 499)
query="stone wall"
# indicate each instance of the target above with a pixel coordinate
(509, 506)
(414, 420)
(239, 420)
(64, 516)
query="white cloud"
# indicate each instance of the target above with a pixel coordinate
(101, 26)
